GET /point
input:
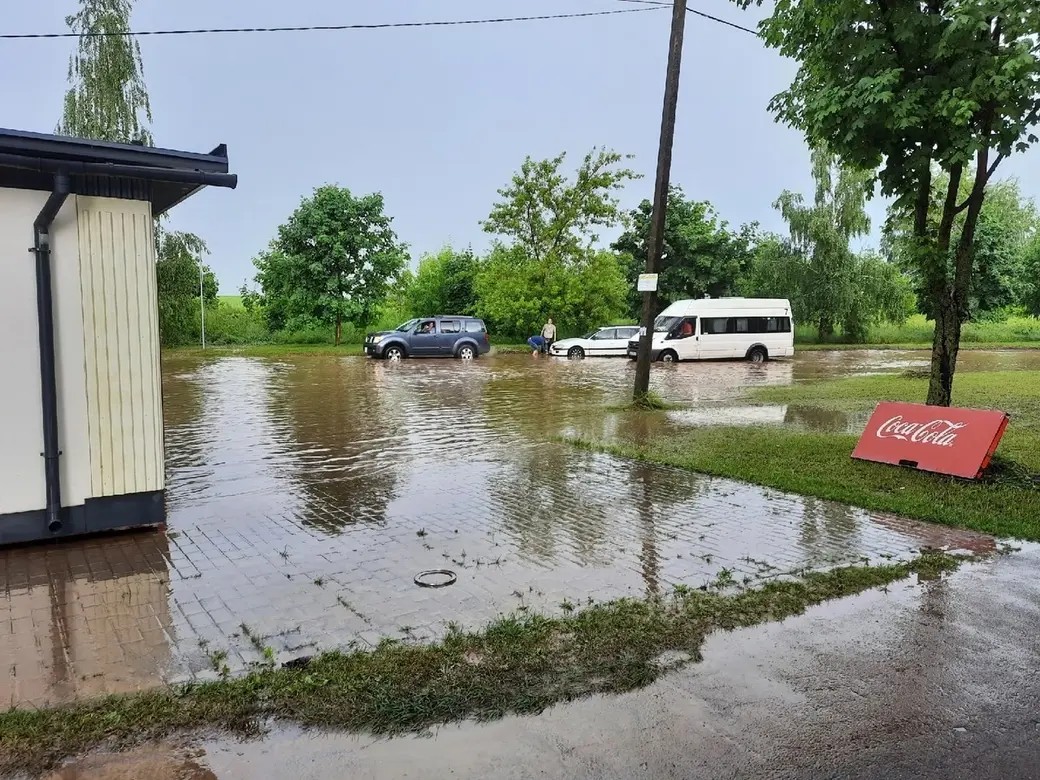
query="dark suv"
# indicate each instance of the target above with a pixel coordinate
(441, 336)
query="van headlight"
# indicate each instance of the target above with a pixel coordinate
(377, 339)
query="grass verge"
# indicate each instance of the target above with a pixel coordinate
(915, 346)
(518, 665)
(918, 330)
(818, 463)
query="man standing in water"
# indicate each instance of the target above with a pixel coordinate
(549, 334)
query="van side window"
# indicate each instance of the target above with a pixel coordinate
(714, 325)
(764, 325)
(474, 326)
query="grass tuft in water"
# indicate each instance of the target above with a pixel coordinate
(519, 664)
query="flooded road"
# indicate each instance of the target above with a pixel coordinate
(306, 493)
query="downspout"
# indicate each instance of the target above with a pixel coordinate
(48, 378)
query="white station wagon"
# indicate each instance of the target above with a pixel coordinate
(611, 341)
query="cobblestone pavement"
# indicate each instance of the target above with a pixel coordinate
(306, 494)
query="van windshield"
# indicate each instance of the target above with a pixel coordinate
(408, 326)
(666, 324)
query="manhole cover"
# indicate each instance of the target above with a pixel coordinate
(436, 578)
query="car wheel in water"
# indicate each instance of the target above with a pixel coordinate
(669, 357)
(393, 353)
(466, 352)
(575, 352)
(757, 355)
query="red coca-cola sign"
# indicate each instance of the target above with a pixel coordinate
(946, 440)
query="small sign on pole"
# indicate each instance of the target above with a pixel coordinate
(958, 442)
(647, 283)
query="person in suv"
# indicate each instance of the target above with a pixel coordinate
(440, 336)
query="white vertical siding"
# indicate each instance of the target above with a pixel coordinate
(21, 425)
(121, 346)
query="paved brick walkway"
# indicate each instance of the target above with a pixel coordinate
(307, 547)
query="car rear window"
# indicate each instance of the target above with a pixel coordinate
(474, 326)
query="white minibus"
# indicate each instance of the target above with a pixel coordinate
(755, 329)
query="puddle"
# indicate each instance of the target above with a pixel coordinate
(305, 493)
(153, 763)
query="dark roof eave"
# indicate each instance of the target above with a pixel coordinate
(86, 150)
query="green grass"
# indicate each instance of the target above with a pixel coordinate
(233, 301)
(521, 664)
(917, 332)
(819, 464)
(895, 346)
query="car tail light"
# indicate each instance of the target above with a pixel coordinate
(487, 338)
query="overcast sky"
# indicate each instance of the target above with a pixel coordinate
(437, 119)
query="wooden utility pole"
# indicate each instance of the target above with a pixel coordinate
(664, 169)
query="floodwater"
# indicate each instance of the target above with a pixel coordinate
(932, 680)
(306, 493)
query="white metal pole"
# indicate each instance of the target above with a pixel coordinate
(202, 304)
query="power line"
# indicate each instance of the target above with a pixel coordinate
(331, 27)
(701, 14)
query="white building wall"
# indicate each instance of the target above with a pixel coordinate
(106, 348)
(21, 416)
(121, 345)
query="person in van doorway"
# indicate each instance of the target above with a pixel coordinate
(549, 334)
(687, 329)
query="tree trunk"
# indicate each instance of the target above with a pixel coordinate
(945, 345)
(339, 327)
(826, 327)
(951, 305)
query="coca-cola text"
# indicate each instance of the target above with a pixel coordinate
(941, 433)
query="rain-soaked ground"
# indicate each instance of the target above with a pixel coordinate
(934, 680)
(306, 493)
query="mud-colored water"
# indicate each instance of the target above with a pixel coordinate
(304, 495)
(932, 680)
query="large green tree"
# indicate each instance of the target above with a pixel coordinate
(553, 219)
(107, 98)
(702, 256)
(444, 283)
(1005, 231)
(821, 233)
(332, 262)
(900, 87)
(516, 293)
(178, 256)
(546, 256)
(874, 290)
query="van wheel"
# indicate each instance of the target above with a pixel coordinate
(758, 355)
(466, 352)
(668, 356)
(393, 353)
(576, 352)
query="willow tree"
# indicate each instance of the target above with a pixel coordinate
(107, 98)
(822, 231)
(903, 88)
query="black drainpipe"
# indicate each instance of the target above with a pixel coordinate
(48, 381)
